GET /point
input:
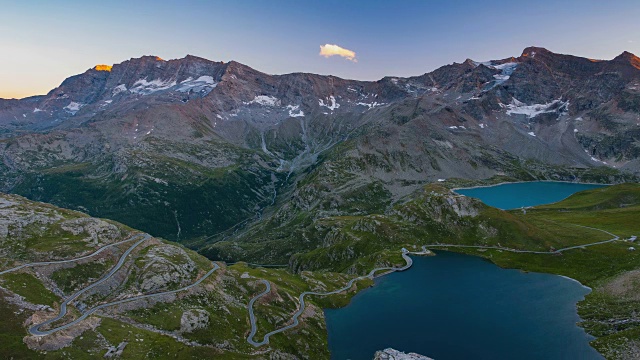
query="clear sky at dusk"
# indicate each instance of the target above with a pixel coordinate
(42, 43)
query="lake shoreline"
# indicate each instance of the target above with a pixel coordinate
(508, 190)
(531, 181)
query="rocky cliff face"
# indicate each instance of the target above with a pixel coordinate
(198, 146)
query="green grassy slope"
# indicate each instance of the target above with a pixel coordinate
(154, 328)
(173, 190)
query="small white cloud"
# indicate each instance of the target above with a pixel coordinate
(328, 50)
(630, 41)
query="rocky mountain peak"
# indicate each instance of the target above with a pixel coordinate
(532, 51)
(234, 67)
(627, 57)
(469, 62)
(194, 58)
(149, 58)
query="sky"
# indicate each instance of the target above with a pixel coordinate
(44, 42)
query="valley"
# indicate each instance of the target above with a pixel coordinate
(162, 312)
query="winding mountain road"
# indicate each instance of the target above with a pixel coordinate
(296, 315)
(34, 330)
(42, 263)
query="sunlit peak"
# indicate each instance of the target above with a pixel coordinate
(103, 67)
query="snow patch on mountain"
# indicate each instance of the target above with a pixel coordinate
(370, 105)
(519, 108)
(264, 100)
(332, 104)
(118, 89)
(144, 87)
(202, 84)
(294, 111)
(105, 103)
(506, 69)
(416, 88)
(73, 107)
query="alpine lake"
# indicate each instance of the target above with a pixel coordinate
(455, 306)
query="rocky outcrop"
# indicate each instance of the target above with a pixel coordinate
(391, 354)
(98, 231)
(165, 265)
(194, 319)
(21, 223)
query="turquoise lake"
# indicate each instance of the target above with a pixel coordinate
(455, 306)
(517, 195)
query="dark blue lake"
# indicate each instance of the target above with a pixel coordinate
(454, 306)
(517, 195)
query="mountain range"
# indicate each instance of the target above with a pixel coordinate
(193, 150)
